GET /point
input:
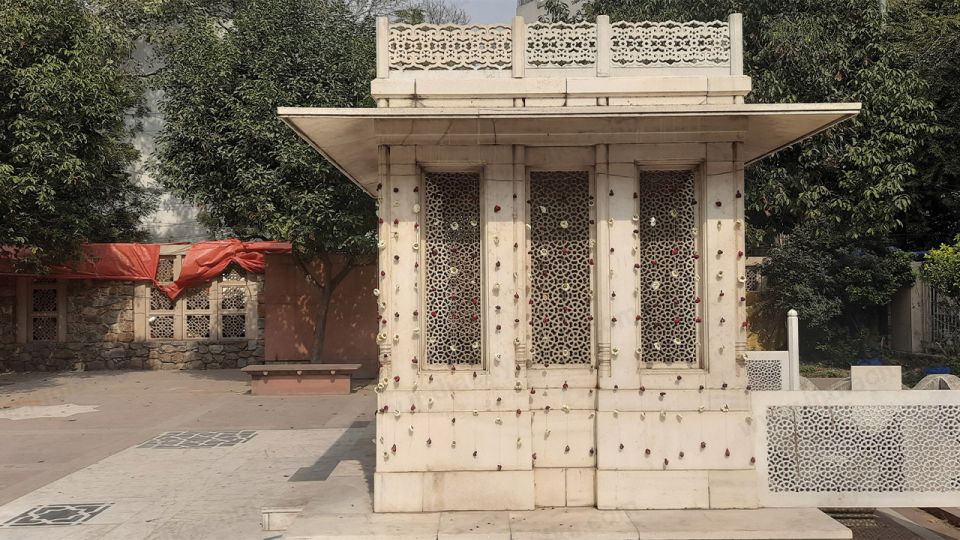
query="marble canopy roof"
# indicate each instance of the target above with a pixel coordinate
(349, 138)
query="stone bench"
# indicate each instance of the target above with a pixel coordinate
(300, 379)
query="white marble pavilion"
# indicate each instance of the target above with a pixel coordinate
(562, 298)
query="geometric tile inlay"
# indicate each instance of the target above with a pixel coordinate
(57, 514)
(198, 439)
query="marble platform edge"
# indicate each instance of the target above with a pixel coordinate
(571, 524)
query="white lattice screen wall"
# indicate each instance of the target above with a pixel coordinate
(670, 43)
(447, 47)
(767, 370)
(561, 44)
(450, 47)
(668, 264)
(453, 262)
(859, 448)
(561, 312)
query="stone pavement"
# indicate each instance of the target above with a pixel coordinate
(169, 454)
(184, 455)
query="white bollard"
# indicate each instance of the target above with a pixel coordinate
(793, 348)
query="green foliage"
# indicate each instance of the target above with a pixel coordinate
(557, 11)
(941, 269)
(65, 159)
(858, 175)
(411, 15)
(926, 35)
(838, 286)
(227, 67)
(431, 12)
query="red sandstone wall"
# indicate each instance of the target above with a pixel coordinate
(289, 302)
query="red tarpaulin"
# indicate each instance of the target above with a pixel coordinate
(203, 262)
(207, 260)
(120, 262)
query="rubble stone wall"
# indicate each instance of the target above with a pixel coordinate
(100, 335)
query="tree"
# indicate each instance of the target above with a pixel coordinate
(557, 11)
(859, 175)
(432, 12)
(941, 269)
(65, 155)
(227, 67)
(926, 34)
(838, 285)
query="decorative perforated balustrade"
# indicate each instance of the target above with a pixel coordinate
(611, 49)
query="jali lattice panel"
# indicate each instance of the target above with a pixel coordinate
(863, 448)
(450, 47)
(764, 374)
(452, 232)
(668, 267)
(560, 280)
(670, 43)
(561, 44)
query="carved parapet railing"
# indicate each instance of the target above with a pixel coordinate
(670, 43)
(449, 47)
(609, 48)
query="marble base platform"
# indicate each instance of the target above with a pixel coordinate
(571, 524)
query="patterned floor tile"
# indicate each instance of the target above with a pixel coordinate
(198, 439)
(57, 514)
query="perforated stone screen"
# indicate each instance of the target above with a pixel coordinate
(561, 44)
(233, 326)
(165, 269)
(764, 374)
(232, 273)
(668, 286)
(560, 277)
(161, 326)
(233, 298)
(44, 300)
(44, 329)
(450, 47)
(669, 43)
(159, 300)
(197, 299)
(198, 326)
(863, 448)
(452, 256)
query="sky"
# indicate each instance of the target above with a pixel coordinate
(489, 11)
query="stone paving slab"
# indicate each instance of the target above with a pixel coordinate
(572, 524)
(364, 527)
(474, 526)
(196, 492)
(760, 524)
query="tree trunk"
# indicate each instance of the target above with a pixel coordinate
(320, 322)
(326, 281)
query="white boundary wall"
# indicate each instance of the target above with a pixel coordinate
(895, 448)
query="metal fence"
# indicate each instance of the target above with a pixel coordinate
(941, 317)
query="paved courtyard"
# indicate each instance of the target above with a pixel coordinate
(183, 455)
(131, 455)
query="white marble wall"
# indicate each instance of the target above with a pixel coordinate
(530, 436)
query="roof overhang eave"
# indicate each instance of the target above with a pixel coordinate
(349, 138)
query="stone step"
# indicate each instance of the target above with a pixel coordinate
(570, 524)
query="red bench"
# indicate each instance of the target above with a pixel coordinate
(300, 379)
